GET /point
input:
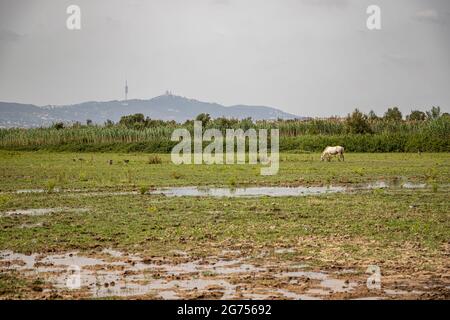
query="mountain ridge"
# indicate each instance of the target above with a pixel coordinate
(163, 107)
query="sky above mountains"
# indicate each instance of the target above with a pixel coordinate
(307, 57)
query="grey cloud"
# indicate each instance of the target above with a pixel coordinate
(400, 60)
(7, 35)
(432, 16)
(327, 3)
(221, 2)
(111, 22)
(308, 57)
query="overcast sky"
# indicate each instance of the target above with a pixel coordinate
(308, 57)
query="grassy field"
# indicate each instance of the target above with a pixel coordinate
(30, 170)
(404, 231)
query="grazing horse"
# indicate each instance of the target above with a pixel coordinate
(332, 151)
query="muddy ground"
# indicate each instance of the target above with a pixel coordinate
(114, 274)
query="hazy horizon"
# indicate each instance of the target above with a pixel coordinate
(381, 113)
(307, 57)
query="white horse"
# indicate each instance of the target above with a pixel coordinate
(332, 151)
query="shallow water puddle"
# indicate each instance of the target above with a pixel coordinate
(276, 191)
(284, 250)
(210, 191)
(17, 261)
(30, 225)
(33, 191)
(296, 296)
(402, 292)
(40, 211)
(197, 191)
(79, 192)
(210, 266)
(326, 283)
(245, 192)
(409, 185)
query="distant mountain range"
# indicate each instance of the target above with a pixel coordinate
(164, 107)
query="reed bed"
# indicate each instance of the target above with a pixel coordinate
(312, 135)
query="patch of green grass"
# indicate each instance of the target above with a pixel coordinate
(14, 286)
(4, 199)
(32, 170)
(383, 220)
(50, 187)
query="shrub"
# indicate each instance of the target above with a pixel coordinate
(176, 175)
(357, 123)
(51, 184)
(143, 190)
(393, 114)
(154, 159)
